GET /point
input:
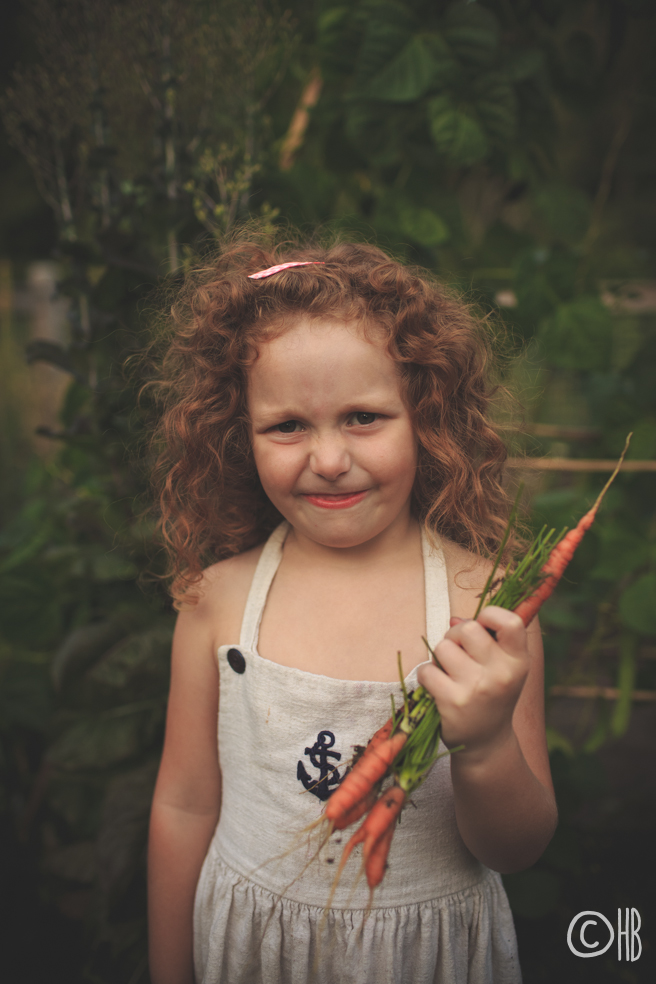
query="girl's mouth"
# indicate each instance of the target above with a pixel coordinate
(329, 501)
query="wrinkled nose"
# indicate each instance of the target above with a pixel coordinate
(329, 457)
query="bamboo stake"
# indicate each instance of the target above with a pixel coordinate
(579, 464)
(300, 120)
(607, 693)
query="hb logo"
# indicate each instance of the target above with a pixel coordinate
(593, 931)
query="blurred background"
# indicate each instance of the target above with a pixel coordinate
(509, 145)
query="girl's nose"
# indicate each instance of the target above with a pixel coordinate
(329, 457)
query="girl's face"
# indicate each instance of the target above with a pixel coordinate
(332, 438)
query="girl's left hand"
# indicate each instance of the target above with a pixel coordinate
(481, 679)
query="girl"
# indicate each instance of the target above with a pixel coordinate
(327, 446)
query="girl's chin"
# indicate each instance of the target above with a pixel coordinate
(339, 530)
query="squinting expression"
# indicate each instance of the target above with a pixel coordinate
(332, 438)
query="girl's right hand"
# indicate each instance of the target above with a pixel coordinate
(480, 681)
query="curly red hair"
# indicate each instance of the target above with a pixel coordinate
(211, 502)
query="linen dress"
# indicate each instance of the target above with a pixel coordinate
(439, 916)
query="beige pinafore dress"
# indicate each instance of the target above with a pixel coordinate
(439, 916)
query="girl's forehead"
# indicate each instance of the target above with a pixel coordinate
(302, 329)
(324, 362)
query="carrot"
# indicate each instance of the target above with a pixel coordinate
(352, 815)
(375, 865)
(367, 772)
(562, 553)
(376, 832)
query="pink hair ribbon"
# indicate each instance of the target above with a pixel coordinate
(261, 274)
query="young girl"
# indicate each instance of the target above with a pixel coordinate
(327, 446)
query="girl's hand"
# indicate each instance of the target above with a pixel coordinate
(481, 679)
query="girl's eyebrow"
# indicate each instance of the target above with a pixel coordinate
(276, 413)
(371, 400)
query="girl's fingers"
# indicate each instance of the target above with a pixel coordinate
(455, 620)
(455, 661)
(471, 636)
(439, 684)
(508, 627)
(475, 636)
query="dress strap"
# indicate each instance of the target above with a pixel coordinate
(265, 572)
(438, 610)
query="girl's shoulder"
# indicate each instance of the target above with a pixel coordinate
(218, 599)
(467, 573)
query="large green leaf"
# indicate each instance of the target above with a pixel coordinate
(496, 106)
(456, 134)
(402, 219)
(579, 335)
(473, 32)
(408, 76)
(388, 26)
(638, 605)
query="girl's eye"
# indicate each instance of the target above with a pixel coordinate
(288, 427)
(365, 418)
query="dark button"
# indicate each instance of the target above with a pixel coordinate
(236, 660)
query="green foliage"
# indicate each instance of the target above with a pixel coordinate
(457, 135)
(637, 605)
(578, 335)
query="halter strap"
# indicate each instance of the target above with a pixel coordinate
(265, 572)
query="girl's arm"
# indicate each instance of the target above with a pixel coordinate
(187, 798)
(491, 698)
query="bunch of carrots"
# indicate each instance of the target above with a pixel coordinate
(406, 747)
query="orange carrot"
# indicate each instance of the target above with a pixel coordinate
(345, 819)
(376, 832)
(561, 555)
(367, 772)
(376, 863)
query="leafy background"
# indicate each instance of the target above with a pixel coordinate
(507, 144)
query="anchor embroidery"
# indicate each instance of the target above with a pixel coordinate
(328, 775)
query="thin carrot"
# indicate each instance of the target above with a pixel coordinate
(375, 865)
(365, 775)
(560, 556)
(376, 832)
